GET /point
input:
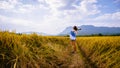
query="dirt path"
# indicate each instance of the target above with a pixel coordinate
(87, 62)
(77, 60)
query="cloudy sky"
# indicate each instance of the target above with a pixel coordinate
(53, 16)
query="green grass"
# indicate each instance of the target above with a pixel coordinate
(34, 51)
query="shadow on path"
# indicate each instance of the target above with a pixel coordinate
(87, 61)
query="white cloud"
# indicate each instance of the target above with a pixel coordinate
(16, 6)
(54, 4)
(15, 21)
(47, 26)
(109, 17)
(88, 7)
(111, 20)
(9, 4)
(24, 8)
(52, 16)
(5, 5)
(79, 12)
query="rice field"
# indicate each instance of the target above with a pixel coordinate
(35, 51)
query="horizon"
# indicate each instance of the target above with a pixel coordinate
(69, 27)
(53, 16)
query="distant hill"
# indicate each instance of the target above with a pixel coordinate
(90, 29)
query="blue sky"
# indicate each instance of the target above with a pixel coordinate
(53, 16)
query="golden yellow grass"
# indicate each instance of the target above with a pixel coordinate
(34, 51)
(104, 51)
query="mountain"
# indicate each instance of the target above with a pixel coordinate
(90, 29)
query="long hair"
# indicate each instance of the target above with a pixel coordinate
(75, 28)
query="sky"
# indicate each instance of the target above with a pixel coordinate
(53, 16)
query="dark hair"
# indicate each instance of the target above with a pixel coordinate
(75, 28)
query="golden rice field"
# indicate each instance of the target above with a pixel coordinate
(34, 51)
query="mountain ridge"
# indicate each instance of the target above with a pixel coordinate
(90, 29)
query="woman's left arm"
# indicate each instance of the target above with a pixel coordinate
(76, 32)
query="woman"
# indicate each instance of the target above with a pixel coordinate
(73, 37)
